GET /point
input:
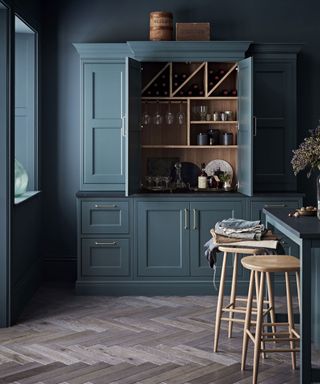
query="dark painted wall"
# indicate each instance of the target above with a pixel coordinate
(72, 21)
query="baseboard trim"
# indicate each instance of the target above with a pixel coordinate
(154, 288)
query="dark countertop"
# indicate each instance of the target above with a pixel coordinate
(304, 227)
(104, 194)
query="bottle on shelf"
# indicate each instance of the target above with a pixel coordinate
(210, 72)
(216, 78)
(181, 93)
(222, 72)
(183, 76)
(203, 178)
(149, 93)
(190, 92)
(224, 92)
(234, 92)
(201, 92)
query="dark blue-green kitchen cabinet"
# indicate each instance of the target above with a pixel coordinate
(104, 217)
(110, 125)
(105, 257)
(255, 210)
(275, 116)
(203, 217)
(105, 244)
(162, 234)
(103, 140)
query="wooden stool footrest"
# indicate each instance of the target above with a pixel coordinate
(280, 350)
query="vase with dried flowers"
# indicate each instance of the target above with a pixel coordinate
(307, 156)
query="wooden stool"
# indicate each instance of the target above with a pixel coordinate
(264, 265)
(232, 307)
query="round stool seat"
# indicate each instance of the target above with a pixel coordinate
(281, 263)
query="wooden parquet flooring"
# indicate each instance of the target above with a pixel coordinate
(68, 339)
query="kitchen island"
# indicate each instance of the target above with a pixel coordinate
(305, 232)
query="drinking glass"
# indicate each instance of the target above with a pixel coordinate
(180, 117)
(169, 118)
(157, 118)
(203, 112)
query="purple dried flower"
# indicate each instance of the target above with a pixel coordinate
(308, 153)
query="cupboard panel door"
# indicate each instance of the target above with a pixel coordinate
(204, 215)
(275, 113)
(245, 115)
(105, 257)
(133, 126)
(163, 238)
(103, 126)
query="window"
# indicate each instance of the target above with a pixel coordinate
(26, 109)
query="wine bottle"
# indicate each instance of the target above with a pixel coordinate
(163, 76)
(183, 76)
(210, 72)
(211, 84)
(189, 93)
(234, 92)
(203, 178)
(222, 72)
(200, 92)
(157, 93)
(176, 84)
(165, 93)
(181, 93)
(149, 93)
(216, 78)
(224, 93)
(155, 85)
(176, 76)
(163, 84)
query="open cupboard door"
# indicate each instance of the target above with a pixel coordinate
(245, 116)
(133, 126)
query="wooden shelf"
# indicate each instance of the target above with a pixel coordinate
(189, 98)
(191, 146)
(213, 122)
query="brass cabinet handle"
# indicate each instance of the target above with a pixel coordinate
(275, 205)
(194, 219)
(185, 218)
(102, 206)
(105, 243)
(254, 126)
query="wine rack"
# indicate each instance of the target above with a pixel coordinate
(180, 101)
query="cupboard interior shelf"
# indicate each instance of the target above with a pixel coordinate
(175, 98)
(192, 146)
(214, 122)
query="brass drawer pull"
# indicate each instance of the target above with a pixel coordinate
(194, 219)
(275, 205)
(98, 206)
(105, 243)
(186, 219)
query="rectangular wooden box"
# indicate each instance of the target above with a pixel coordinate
(193, 31)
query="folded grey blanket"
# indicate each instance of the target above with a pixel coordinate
(240, 229)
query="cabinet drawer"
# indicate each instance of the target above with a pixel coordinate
(257, 207)
(105, 217)
(105, 257)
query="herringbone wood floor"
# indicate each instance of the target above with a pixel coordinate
(62, 338)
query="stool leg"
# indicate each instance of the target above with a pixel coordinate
(233, 292)
(290, 319)
(298, 290)
(271, 303)
(247, 322)
(257, 343)
(257, 298)
(220, 303)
